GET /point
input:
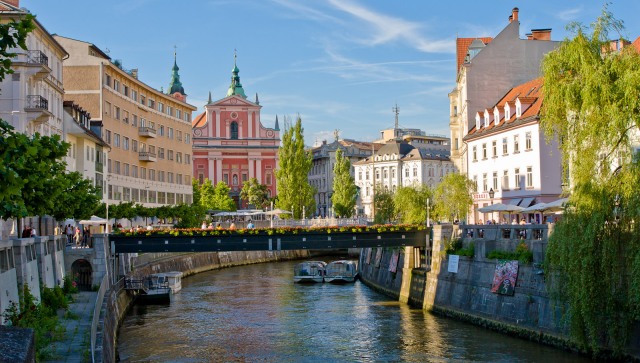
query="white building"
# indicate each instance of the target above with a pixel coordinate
(31, 97)
(396, 164)
(509, 155)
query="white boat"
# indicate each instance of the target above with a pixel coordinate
(309, 271)
(341, 271)
(172, 279)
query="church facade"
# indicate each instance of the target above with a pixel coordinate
(230, 144)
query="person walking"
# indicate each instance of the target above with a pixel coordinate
(69, 232)
(78, 236)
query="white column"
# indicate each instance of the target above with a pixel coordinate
(211, 175)
(217, 124)
(250, 124)
(259, 171)
(219, 168)
(252, 164)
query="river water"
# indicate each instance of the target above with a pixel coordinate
(256, 313)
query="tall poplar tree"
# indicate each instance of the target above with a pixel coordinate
(294, 190)
(591, 106)
(344, 187)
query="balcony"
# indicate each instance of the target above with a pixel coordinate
(146, 156)
(145, 131)
(36, 61)
(37, 108)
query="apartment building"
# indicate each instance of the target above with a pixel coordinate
(31, 98)
(486, 69)
(148, 131)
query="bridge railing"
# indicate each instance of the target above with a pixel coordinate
(321, 222)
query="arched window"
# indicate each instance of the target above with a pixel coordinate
(234, 130)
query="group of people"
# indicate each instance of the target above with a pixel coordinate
(232, 225)
(29, 232)
(77, 236)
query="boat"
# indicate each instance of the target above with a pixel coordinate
(173, 279)
(341, 271)
(155, 290)
(309, 271)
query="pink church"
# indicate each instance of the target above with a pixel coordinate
(231, 145)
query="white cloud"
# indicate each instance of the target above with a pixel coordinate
(570, 14)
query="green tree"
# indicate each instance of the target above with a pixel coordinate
(13, 35)
(410, 204)
(79, 198)
(452, 197)
(216, 198)
(294, 190)
(591, 106)
(344, 187)
(195, 185)
(384, 207)
(254, 193)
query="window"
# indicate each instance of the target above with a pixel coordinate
(187, 159)
(126, 169)
(116, 85)
(484, 151)
(117, 112)
(125, 117)
(125, 143)
(505, 150)
(178, 135)
(169, 154)
(179, 179)
(494, 146)
(178, 113)
(151, 103)
(234, 130)
(143, 173)
(516, 175)
(161, 176)
(406, 173)
(107, 108)
(516, 143)
(169, 110)
(495, 180)
(359, 174)
(126, 91)
(366, 174)
(161, 107)
(179, 157)
(152, 175)
(268, 179)
(415, 172)
(505, 180)
(529, 177)
(393, 173)
(160, 153)
(134, 145)
(527, 142)
(143, 99)
(134, 95)
(134, 171)
(475, 181)
(116, 140)
(134, 121)
(225, 178)
(116, 165)
(88, 153)
(244, 177)
(170, 177)
(385, 173)
(485, 185)
(107, 80)
(160, 130)
(187, 138)
(170, 132)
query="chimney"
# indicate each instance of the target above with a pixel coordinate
(541, 34)
(529, 36)
(514, 14)
(134, 73)
(15, 3)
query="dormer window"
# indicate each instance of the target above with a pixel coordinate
(487, 119)
(507, 112)
(518, 108)
(478, 121)
(496, 115)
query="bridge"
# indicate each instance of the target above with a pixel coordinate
(263, 241)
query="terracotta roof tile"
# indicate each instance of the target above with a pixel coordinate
(636, 44)
(462, 48)
(199, 120)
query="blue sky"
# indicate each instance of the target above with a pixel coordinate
(339, 64)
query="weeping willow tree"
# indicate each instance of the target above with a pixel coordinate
(592, 106)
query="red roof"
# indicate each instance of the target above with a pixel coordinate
(199, 120)
(462, 48)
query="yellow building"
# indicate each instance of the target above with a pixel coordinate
(149, 132)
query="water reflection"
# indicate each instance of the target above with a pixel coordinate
(257, 314)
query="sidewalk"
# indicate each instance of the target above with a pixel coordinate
(76, 347)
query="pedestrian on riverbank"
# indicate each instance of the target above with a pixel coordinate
(232, 226)
(250, 225)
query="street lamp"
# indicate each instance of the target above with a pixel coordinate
(491, 195)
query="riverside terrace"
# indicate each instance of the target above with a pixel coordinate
(269, 239)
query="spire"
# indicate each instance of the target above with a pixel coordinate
(396, 111)
(277, 128)
(257, 101)
(236, 87)
(175, 85)
(209, 102)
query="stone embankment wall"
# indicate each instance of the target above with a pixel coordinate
(118, 301)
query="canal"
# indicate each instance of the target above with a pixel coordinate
(256, 313)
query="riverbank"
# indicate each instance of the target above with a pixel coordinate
(76, 345)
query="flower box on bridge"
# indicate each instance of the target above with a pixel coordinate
(269, 239)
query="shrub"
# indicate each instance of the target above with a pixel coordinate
(522, 254)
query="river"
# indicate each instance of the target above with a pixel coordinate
(256, 313)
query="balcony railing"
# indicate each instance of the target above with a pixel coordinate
(146, 131)
(146, 156)
(36, 102)
(37, 57)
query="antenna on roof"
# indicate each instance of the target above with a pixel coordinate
(396, 110)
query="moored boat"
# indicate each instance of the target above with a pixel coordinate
(172, 279)
(309, 271)
(341, 271)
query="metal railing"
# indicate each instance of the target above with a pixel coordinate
(96, 314)
(320, 222)
(37, 102)
(37, 57)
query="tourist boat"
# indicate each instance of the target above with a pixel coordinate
(309, 271)
(173, 279)
(341, 271)
(154, 290)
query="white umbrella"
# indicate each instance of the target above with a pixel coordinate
(499, 207)
(277, 212)
(93, 221)
(556, 205)
(535, 208)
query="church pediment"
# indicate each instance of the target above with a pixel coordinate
(234, 100)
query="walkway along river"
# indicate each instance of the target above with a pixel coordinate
(256, 313)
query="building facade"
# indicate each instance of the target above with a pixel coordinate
(510, 156)
(31, 97)
(230, 144)
(398, 163)
(486, 69)
(324, 159)
(147, 130)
